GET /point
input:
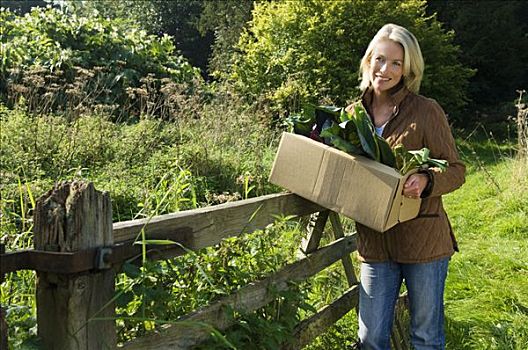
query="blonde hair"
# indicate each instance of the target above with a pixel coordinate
(413, 64)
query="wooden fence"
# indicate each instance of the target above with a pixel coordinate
(78, 252)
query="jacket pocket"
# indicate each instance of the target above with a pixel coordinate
(421, 216)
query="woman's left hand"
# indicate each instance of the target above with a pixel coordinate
(415, 185)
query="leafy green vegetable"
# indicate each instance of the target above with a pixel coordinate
(407, 160)
(366, 132)
(355, 134)
(387, 156)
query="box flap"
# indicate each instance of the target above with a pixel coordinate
(297, 164)
(403, 208)
(329, 182)
(409, 207)
(373, 190)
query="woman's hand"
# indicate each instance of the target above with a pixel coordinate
(415, 185)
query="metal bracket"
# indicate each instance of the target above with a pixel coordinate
(97, 258)
(102, 258)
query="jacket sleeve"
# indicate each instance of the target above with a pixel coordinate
(440, 141)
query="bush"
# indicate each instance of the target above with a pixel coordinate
(297, 51)
(60, 61)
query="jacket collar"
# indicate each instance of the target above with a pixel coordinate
(398, 94)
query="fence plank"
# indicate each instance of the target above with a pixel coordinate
(315, 230)
(3, 329)
(204, 227)
(347, 261)
(315, 325)
(3, 322)
(400, 330)
(246, 299)
(70, 217)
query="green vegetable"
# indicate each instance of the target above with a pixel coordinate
(355, 134)
(407, 160)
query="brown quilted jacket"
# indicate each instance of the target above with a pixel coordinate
(417, 122)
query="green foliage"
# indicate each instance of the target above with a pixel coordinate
(297, 51)
(142, 12)
(419, 159)
(491, 223)
(492, 35)
(61, 61)
(22, 6)
(226, 19)
(150, 162)
(269, 327)
(149, 168)
(178, 19)
(355, 134)
(147, 293)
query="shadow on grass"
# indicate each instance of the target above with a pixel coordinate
(472, 335)
(502, 335)
(457, 334)
(487, 144)
(217, 174)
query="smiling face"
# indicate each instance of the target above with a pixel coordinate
(386, 66)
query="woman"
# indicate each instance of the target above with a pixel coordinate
(417, 251)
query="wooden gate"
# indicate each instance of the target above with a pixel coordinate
(78, 252)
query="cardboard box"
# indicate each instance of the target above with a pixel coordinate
(357, 187)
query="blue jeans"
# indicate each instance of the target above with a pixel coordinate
(380, 286)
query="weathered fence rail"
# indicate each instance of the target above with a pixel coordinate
(193, 229)
(78, 252)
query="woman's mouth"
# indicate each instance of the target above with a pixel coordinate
(382, 78)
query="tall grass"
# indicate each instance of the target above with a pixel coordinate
(522, 125)
(220, 150)
(487, 287)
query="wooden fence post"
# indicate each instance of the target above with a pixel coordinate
(74, 216)
(3, 322)
(314, 229)
(3, 329)
(347, 261)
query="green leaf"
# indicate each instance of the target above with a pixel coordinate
(155, 242)
(344, 145)
(124, 298)
(350, 133)
(387, 156)
(365, 131)
(331, 110)
(131, 270)
(331, 129)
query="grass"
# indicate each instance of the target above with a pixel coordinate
(486, 294)
(153, 167)
(149, 168)
(487, 287)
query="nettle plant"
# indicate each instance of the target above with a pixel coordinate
(55, 61)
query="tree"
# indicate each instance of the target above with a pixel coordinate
(175, 18)
(493, 40)
(226, 19)
(179, 19)
(22, 6)
(61, 62)
(297, 51)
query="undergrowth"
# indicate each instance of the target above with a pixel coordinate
(154, 167)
